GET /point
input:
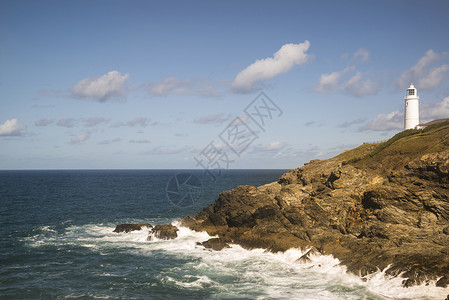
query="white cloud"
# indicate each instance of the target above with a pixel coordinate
(422, 74)
(359, 86)
(434, 77)
(80, 138)
(282, 61)
(362, 55)
(434, 110)
(43, 122)
(356, 85)
(330, 82)
(212, 119)
(103, 88)
(382, 122)
(186, 87)
(11, 128)
(429, 111)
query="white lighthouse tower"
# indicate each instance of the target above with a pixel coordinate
(411, 117)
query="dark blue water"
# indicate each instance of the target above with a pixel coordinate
(42, 206)
(56, 241)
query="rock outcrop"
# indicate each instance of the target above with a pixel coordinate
(377, 206)
(130, 227)
(216, 244)
(163, 232)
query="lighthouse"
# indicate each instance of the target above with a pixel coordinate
(411, 116)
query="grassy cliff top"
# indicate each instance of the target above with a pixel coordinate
(400, 149)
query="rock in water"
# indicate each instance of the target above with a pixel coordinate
(305, 258)
(216, 244)
(131, 227)
(163, 232)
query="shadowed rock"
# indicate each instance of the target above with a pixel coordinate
(216, 244)
(130, 227)
(163, 232)
(305, 258)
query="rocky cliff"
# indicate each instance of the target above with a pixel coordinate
(376, 206)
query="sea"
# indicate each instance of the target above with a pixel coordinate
(57, 241)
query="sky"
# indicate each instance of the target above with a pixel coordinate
(214, 85)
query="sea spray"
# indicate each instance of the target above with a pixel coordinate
(235, 272)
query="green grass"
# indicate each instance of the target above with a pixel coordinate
(395, 138)
(399, 149)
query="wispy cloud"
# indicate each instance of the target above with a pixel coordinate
(349, 80)
(213, 119)
(313, 124)
(159, 150)
(359, 86)
(80, 138)
(282, 61)
(43, 122)
(362, 55)
(94, 121)
(107, 142)
(101, 88)
(353, 122)
(345, 81)
(142, 141)
(139, 121)
(425, 74)
(383, 122)
(330, 82)
(185, 87)
(271, 147)
(11, 128)
(181, 134)
(66, 122)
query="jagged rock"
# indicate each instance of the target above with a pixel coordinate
(372, 207)
(131, 227)
(305, 258)
(163, 232)
(215, 244)
(443, 281)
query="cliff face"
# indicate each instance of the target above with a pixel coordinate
(375, 206)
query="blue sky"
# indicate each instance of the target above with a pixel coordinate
(159, 84)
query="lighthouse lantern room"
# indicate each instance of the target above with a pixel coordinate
(411, 113)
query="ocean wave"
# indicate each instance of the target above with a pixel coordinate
(235, 271)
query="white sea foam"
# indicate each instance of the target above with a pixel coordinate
(238, 273)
